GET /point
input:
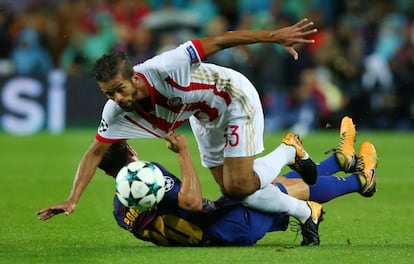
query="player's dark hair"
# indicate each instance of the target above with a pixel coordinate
(115, 158)
(109, 65)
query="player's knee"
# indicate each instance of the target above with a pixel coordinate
(237, 191)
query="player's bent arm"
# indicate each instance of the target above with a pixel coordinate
(87, 168)
(190, 194)
(287, 37)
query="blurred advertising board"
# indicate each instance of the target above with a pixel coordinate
(50, 103)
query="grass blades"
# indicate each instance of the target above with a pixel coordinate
(38, 170)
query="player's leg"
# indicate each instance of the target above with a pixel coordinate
(240, 179)
(228, 149)
(235, 174)
(237, 184)
(243, 139)
(325, 189)
(295, 187)
(240, 140)
(363, 179)
(270, 199)
(328, 187)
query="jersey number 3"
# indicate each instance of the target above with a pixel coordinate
(232, 136)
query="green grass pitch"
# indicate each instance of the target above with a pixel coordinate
(38, 170)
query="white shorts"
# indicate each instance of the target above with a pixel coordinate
(240, 134)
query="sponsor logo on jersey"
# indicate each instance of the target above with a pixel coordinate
(193, 54)
(103, 126)
(174, 101)
(169, 183)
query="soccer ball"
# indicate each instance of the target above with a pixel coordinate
(140, 185)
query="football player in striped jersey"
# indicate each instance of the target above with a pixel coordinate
(152, 98)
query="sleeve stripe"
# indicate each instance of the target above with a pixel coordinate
(107, 140)
(200, 49)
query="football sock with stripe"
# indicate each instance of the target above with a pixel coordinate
(272, 200)
(330, 187)
(270, 165)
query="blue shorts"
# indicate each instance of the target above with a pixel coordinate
(242, 226)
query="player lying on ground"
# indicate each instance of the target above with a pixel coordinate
(183, 218)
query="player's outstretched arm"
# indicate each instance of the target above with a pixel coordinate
(86, 170)
(287, 37)
(190, 195)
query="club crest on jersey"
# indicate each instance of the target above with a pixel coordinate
(193, 54)
(103, 126)
(169, 183)
(174, 101)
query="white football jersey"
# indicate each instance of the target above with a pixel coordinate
(180, 86)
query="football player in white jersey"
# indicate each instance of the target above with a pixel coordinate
(223, 107)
